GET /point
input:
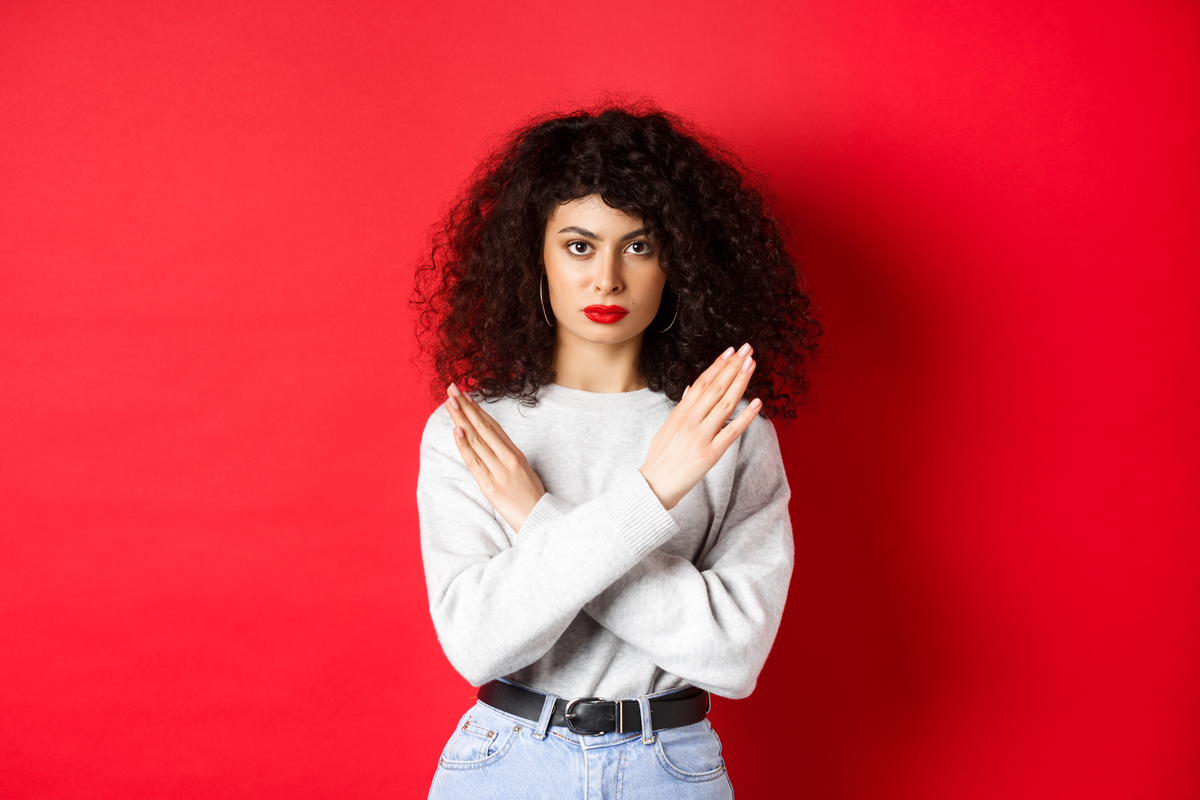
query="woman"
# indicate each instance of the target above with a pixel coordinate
(604, 518)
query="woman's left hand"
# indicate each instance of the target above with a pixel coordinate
(497, 465)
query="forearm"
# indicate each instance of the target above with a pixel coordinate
(713, 622)
(497, 609)
(714, 628)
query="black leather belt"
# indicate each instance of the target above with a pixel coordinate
(594, 715)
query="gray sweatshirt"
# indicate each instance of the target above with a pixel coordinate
(603, 592)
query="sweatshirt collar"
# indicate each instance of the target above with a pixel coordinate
(606, 402)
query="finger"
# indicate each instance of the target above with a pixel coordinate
(478, 446)
(462, 425)
(725, 406)
(476, 465)
(714, 389)
(484, 426)
(473, 408)
(709, 374)
(733, 430)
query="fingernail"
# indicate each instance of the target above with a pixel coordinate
(454, 404)
(726, 355)
(459, 432)
(684, 393)
(755, 403)
(747, 364)
(454, 390)
(744, 350)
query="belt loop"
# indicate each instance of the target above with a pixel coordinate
(539, 733)
(647, 727)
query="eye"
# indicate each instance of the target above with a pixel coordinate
(579, 247)
(640, 248)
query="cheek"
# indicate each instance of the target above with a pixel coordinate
(561, 282)
(651, 287)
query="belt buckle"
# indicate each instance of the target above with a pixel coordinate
(570, 707)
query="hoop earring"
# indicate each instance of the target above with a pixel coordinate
(664, 330)
(542, 300)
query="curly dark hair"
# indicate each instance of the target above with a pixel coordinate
(728, 271)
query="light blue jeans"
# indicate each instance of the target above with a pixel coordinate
(497, 755)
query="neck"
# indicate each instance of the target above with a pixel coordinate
(592, 367)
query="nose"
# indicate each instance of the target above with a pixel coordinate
(607, 279)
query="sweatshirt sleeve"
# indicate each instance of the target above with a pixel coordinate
(713, 624)
(500, 604)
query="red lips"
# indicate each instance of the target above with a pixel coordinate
(605, 314)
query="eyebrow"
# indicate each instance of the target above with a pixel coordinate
(643, 231)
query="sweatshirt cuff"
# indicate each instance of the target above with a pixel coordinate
(548, 509)
(639, 516)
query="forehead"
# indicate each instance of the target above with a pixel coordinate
(592, 214)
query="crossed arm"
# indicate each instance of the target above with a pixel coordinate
(710, 625)
(688, 445)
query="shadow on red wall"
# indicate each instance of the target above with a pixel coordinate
(859, 657)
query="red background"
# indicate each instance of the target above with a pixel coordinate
(210, 583)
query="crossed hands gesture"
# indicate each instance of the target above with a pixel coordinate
(686, 447)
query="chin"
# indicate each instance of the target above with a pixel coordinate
(617, 333)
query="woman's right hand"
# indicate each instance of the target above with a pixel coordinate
(498, 466)
(695, 435)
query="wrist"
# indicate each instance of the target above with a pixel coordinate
(521, 516)
(655, 483)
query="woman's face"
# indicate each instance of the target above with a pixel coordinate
(602, 266)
